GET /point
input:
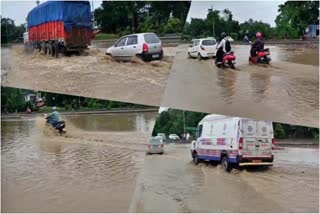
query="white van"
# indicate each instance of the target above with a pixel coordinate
(233, 140)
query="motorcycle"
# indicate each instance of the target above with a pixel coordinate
(227, 61)
(59, 126)
(262, 56)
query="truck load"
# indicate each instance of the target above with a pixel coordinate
(60, 26)
(233, 141)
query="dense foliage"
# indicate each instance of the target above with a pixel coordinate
(124, 17)
(292, 20)
(174, 122)
(11, 33)
(12, 100)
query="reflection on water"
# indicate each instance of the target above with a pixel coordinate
(42, 173)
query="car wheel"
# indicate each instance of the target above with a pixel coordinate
(195, 158)
(189, 56)
(226, 164)
(199, 56)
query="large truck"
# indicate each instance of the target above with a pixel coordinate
(60, 26)
(234, 141)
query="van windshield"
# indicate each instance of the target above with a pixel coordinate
(253, 128)
(151, 38)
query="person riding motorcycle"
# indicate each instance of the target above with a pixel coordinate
(223, 47)
(258, 45)
(54, 117)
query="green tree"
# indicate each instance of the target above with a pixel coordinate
(295, 16)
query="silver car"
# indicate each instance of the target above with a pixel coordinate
(146, 46)
(155, 146)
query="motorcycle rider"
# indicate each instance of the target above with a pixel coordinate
(54, 117)
(223, 47)
(258, 45)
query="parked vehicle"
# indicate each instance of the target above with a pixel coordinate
(202, 48)
(60, 26)
(146, 46)
(233, 141)
(174, 137)
(163, 135)
(155, 146)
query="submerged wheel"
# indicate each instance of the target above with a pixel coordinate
(199, 56)
(195, 157)
(231, 65)
(226, 164)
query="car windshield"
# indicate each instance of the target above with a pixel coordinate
(208, 42)
(151, 38)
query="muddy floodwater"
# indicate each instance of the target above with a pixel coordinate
(92, 169)
(92, 74)
(285, 91)
(172, 183)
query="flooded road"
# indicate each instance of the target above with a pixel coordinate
(93, 74)
(284, 92)
(172, 183)
(92, 169)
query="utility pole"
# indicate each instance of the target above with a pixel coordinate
(184, 123)
(213, 31)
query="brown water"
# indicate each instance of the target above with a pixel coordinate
(93, 74)
(282, 92)
(92, 169)
(172, 183)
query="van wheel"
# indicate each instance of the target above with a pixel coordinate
(226, 164)
(199, 56)
(195, 157)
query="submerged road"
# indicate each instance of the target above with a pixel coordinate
(172, 183)
(286, 91)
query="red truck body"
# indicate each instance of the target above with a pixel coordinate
(56, 26)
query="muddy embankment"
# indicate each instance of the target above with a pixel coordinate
(92, 74)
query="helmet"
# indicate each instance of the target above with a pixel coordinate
(259, 35)
(223, 34)
(54, 108)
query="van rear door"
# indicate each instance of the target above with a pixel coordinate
(257, 138)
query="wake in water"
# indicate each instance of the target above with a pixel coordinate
(135, 141)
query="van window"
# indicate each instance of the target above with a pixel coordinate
(199, 131)
(252, 128)
(208, 42)
(121, 42)
(132, 40)
(151, 38)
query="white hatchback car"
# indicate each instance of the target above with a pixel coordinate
(147, 46)
(202, 48)
(174, 137)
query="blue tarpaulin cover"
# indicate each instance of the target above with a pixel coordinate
(72, 13)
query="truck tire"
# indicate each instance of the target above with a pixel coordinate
(195, 158)
(226, 164)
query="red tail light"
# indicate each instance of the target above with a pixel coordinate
(145, 47)
(202, 48)
(161, 146)
(240, 143)
(149, 146)
(273, 144)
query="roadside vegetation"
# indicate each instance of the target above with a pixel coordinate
(292, 20)
(13, 100)
(176, 121)
(125, 17)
